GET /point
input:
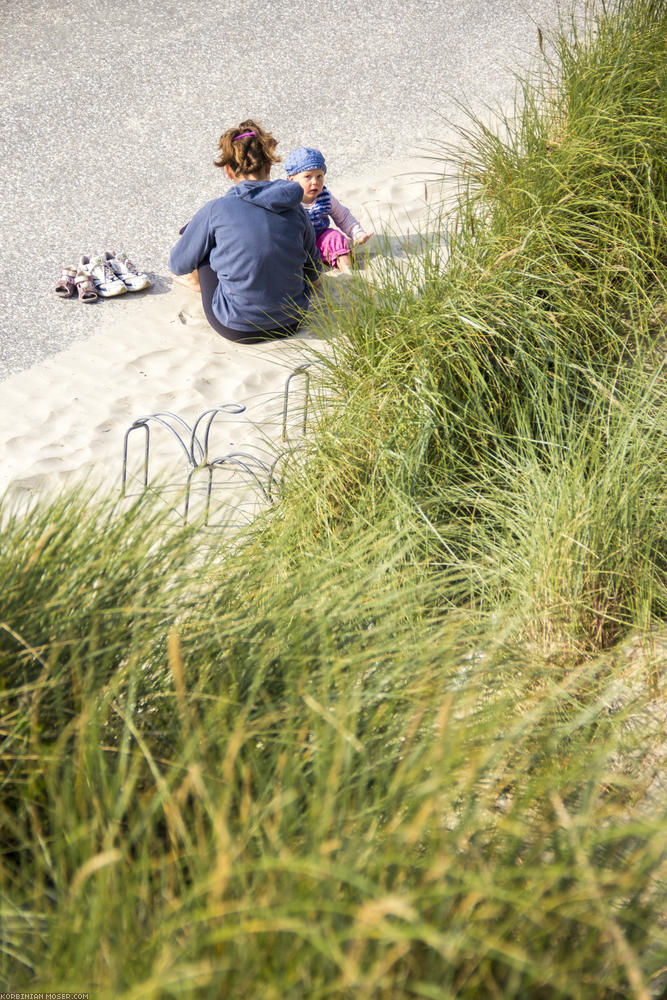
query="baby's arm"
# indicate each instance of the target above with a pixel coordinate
(347, 223)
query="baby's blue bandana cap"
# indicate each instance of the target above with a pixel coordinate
(304, 158)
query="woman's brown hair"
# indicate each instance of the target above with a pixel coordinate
(247, 149)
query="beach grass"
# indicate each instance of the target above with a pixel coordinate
(404, 736)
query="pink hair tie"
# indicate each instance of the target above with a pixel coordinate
(242, 136)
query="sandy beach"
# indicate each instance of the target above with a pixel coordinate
(109, 138)
(64, 420)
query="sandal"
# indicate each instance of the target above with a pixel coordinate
(85, 286)
(133, 279)
(66, 283)
(104, 279)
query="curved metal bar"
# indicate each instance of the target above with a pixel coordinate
(301, 370)
(240, 459)
(188, 485)
(208, 494)
(210, 467)
(197, 453)
(211, 414)
(158, 418)
(240, 455)
(186, 503)
(273, 481)
(135, 427)
(237, 459)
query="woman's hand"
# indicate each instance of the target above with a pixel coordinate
(190, 281)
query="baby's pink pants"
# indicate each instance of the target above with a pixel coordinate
(332, 244)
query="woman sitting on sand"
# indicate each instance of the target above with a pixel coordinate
(252, 252)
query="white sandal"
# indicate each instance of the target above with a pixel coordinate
(133, 279)
(105, 281)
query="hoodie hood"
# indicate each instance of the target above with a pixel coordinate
(274, 196)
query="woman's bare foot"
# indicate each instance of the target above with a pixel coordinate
(190, 281)
(344, 263)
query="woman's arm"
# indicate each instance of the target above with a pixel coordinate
(195, 244)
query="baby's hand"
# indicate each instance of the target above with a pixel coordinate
(364, 238)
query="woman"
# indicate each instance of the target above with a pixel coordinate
(251, 253)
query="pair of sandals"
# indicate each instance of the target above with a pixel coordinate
(72, 282)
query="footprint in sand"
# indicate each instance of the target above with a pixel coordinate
(253, 381)
(190, 317)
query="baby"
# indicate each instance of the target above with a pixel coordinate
(307, 167)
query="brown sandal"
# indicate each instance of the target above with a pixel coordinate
(66, 286)
(85, 287)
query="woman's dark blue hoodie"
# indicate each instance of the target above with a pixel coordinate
(261, 244)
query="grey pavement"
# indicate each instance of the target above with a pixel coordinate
(111, 113)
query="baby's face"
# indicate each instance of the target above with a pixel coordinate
(312, 182)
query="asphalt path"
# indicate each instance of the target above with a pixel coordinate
(111, 113)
